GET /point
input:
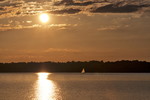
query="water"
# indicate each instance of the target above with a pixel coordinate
(74, 86)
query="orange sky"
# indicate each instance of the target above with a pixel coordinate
(69, 36)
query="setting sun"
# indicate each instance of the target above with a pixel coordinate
(44, 18)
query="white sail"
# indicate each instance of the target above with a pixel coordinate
(83, 70)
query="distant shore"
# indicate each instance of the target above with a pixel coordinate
(123, 66)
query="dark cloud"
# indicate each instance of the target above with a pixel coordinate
(8, 4)
(119, 8)
(2, 0)
(64, 2)
(1, 8)
(66, 11)
(70, 2)
(78, 3)
(24, 8)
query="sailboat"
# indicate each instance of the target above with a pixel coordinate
(83, 71)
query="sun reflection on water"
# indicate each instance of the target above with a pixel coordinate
(45, 88)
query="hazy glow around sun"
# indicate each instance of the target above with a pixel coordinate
(44, 18)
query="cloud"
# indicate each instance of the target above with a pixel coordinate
(108, 28)
(119, 7)
(22, 8)
(49, 50)
(18, 9)
(1, 8)
(72, 3)
(6, 27)
(66, 11)
(8, 3)
(49, 54)
(2, 0)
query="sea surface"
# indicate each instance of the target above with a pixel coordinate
(74, 86)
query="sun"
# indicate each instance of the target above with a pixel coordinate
(44, 18)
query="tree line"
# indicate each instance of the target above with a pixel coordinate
(122, 66)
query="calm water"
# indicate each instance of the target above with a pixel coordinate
(74, 86)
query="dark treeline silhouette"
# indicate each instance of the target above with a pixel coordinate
(89, 66)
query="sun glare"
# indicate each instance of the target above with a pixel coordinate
(45, 87)
(44, 18)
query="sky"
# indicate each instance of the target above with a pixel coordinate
(76, 30)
